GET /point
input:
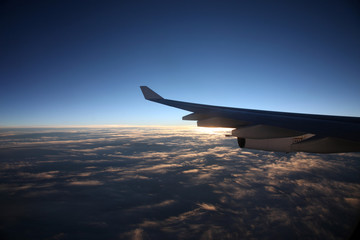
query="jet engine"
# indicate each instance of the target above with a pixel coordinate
(277, 139)
(305, 143)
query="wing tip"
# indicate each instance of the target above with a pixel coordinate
(150, 94)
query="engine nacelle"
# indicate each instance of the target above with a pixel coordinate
(304, 143)
(264, 132)
(273, 144)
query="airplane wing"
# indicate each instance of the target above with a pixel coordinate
(274, 131)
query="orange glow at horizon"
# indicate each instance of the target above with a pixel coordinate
(211, 130)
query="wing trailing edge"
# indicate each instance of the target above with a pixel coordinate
(274, 131)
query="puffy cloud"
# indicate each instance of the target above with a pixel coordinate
(85, 183)
(207, 206)
(173, 183)
(41, 175)
(155, 205)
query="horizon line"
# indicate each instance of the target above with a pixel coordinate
(94, 126)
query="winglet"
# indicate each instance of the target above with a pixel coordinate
(150, 94)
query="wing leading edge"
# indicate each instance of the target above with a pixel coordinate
(273, 131)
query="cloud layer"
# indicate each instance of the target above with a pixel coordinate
(176, 183)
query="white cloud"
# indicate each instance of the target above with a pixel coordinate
(206, 206)
(205, 180)
(85, 183)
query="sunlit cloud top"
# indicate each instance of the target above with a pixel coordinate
(177, 182)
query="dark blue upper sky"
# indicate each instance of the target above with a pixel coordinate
(79, 63)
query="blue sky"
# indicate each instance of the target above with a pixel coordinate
(66, 63)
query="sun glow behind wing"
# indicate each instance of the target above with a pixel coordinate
(216, 131)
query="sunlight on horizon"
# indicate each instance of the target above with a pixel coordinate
(211, 130)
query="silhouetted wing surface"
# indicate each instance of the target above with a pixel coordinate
(217, 116)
